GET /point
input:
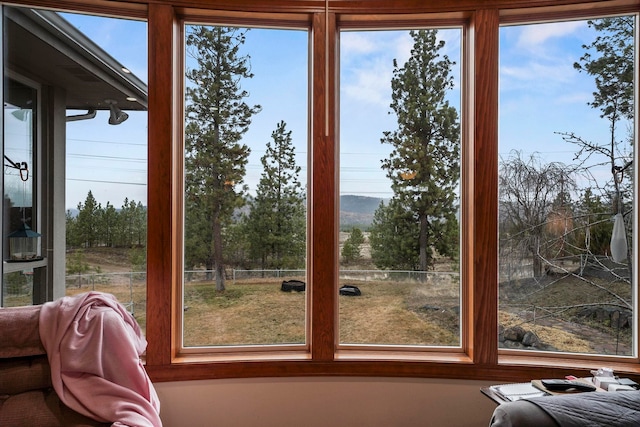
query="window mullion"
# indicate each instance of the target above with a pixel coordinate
(323, 268)
(160, 197)
(481, 332)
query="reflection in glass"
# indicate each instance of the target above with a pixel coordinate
(92, 164)
(21, 241)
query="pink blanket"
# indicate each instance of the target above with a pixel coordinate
(94, 347)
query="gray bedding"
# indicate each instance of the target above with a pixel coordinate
(597, 409)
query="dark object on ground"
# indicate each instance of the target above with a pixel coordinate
(350, 290)
(293, 285)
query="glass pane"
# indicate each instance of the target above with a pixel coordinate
(106, 171)
(92, 109)
(566, 186)
(245, 186)
(400, 187)
(20, 107)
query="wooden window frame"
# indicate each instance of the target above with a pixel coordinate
(480, 358)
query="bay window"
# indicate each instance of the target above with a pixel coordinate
(341, 188)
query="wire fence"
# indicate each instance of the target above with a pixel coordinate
(125, 284)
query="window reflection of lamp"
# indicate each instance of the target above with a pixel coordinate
(21, 114)
(24, 244)
(618, 239)
(407, 175)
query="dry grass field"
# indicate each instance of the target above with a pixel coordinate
(390, 311)
(258, 312)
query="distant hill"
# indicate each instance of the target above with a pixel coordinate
(357, 211)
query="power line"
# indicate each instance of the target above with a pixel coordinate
(109, 142)
(95, 156)
(107, 182)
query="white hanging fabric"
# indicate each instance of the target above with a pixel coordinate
(618, 239)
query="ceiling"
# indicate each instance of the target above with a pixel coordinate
(44, 47)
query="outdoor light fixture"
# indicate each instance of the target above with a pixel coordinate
(91, 113)
(117, 115)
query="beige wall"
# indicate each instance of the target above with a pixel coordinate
(324, 402)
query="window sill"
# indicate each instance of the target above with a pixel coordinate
(510, 368)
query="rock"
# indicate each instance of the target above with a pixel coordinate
(530, 339)
(514, 333)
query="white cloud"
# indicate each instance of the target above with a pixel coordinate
(370, 84)
(367, 64)
(532, 71)
(532, 36)
(356, 43)
(402, 44)
(541, 59)
(575, 98)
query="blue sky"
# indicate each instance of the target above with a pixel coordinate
(540, 94)
(109, 160)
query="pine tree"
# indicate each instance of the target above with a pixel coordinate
(277, 218)
(109, 224)
(71, 231)
(215, 159)
(393, 237)
(87, 221)
(351, 250)
(424, 165)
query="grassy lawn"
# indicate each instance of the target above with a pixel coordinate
(392, 311)
(260, 313)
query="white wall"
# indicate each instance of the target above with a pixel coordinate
(322, 402)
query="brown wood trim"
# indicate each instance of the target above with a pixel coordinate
(322, 235)
(439, 6)
(362, 6)
(138, 8)
(289, 6)
(482, 319)
(258, 19)
(160, 179)
(555, 13)
(370, 368)
(413, 20)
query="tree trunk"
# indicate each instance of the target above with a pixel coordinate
(218, 260)
(424, 226)
(537, 259)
